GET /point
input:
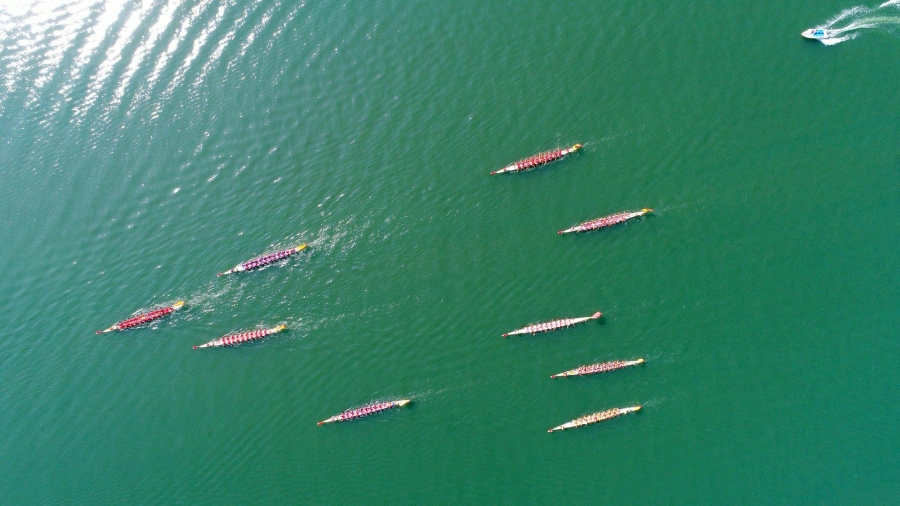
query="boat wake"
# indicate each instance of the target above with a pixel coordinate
(851, 22)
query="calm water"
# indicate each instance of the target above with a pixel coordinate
(145, 146)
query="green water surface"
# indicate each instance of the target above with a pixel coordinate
(147, 145)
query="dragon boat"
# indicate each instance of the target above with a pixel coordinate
(606, 221)
(538, 160)
(370, 409)
(143, 318)
(264, 260)
(553, 325)
(595, 418)
(598, 368)
(243, 337)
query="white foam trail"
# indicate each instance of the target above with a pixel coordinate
(861, 18)
(837, 40)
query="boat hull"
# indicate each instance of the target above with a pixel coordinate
(243, 337)
(552, 325)
(606, 221)
(538, 160)
(595, 418)
(371, 409)
(816, 34)
(586, 370)
(141, 319)
(264, 260)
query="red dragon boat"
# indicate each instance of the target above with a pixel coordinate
(606, 221)
(243, 337)
(264, 260)
(553, 325)
(143, 318)
(595, 418)
(538, 160)
(598, 368)
(370, 409)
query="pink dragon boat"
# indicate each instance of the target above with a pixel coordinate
(598, 368)
(371, 409)
(538, 160)
(553, 325)
(143, 318)
(595, 418)
(264, 260)
(606, 221)
(243, 337)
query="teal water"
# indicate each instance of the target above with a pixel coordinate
(145, 146)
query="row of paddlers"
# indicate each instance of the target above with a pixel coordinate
(231, 339)
(252, 335)
(558, 154)
(370, 409)
(594, 224)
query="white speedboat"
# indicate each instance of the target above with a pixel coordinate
(817, 33)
